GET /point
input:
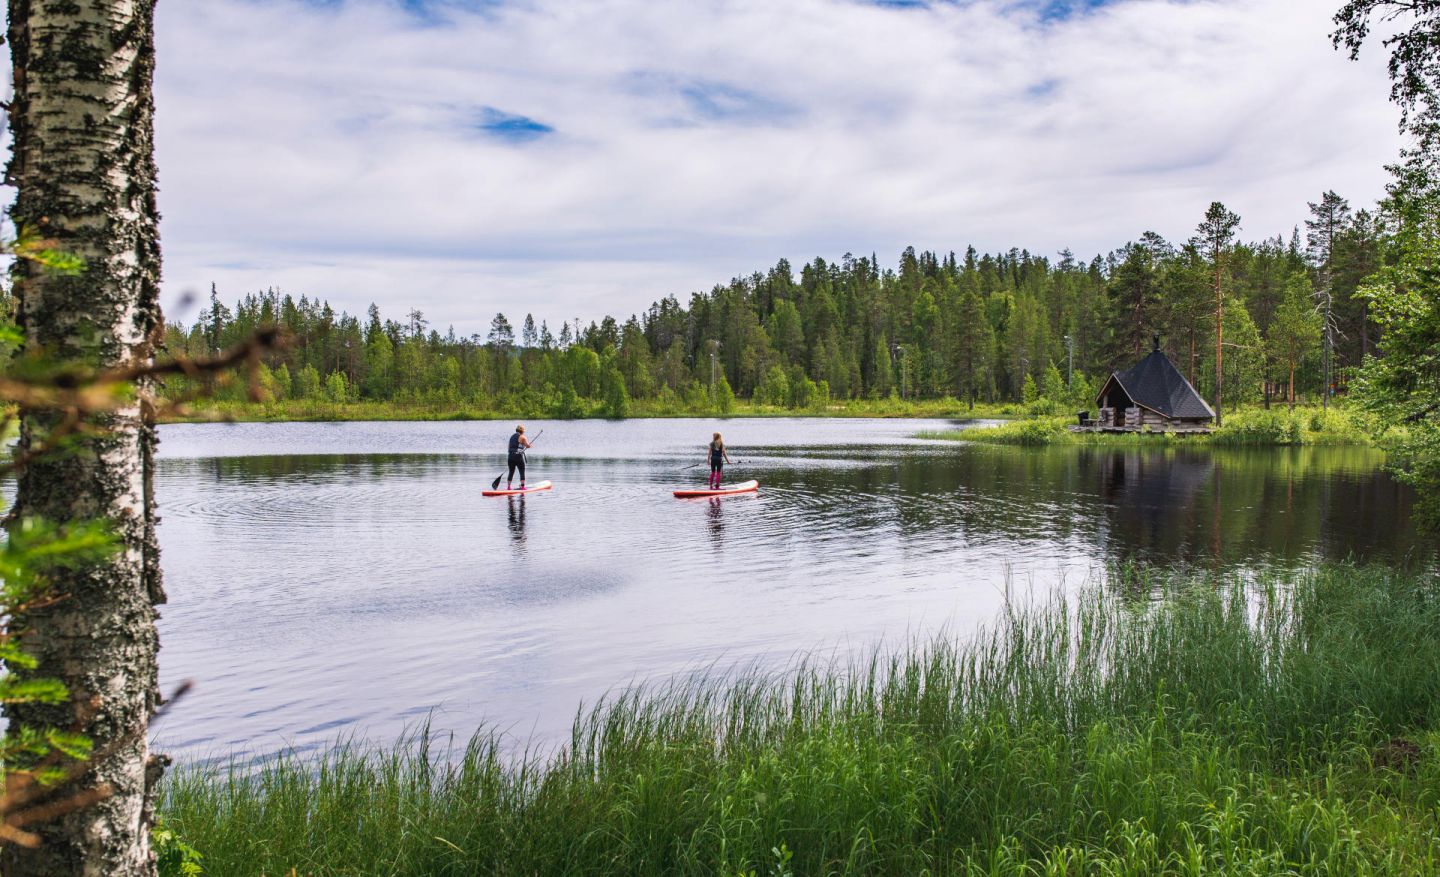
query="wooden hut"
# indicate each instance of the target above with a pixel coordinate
(1152, 395)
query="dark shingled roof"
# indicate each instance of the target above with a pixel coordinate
(1157, 384)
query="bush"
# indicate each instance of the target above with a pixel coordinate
(1279, 427)
(724, 397)
(803, 391)
(307, 383)
(1038, 432)
(775, 389)
(1043, 407)
(337, 389)
(567, 405)
(173, 857)
(614, 397)
(1259, 427)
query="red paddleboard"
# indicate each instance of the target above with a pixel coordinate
(742, 487)
(544, 485)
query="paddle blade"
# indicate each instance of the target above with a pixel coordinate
(495, 485)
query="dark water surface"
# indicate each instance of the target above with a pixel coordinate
(349, 579)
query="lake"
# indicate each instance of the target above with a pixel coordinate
(349, 580)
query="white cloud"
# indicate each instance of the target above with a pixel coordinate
(342, 150)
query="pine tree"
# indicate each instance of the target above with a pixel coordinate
(1214, 236)
(1134, 300)
(501, 336)
(1328, 220)
(974, 348)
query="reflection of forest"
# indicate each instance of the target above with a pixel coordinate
(1248, 506)
(1162, 505)
(373, 467)
(1157, 504)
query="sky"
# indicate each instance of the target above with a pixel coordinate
(573, 159)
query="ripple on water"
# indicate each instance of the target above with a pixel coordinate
(329, 580)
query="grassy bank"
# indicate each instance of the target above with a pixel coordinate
(1274, 727)
(1249, 427)
(321, 410)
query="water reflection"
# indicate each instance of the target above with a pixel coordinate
(370, 585)
(716, 517)
(517, 524)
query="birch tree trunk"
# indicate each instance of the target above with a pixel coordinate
(83, 167)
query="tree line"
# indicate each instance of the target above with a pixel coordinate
(1278, 319)
(82, 164)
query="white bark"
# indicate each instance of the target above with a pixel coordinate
(83, 168)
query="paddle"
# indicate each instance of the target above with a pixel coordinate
(495, 485)
(732, 463)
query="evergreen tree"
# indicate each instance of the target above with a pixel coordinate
(501, 336)
(1134, 301)
(1328, 220)
(1214, 236)
(975, 343)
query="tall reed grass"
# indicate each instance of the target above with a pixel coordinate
(1250, 426)
(1150, 725)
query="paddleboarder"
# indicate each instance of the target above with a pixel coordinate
(518, 444)
(718, 459)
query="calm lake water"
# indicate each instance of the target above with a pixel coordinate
(332, 580)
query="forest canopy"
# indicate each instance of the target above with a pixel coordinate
(975, 327)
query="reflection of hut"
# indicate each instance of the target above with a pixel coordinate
(1153, 395)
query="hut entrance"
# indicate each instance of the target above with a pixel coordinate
(1115, 404)
(1117, 399)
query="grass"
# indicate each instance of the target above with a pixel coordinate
(1276, 726)
(1249, 427)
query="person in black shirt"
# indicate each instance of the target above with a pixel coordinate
(718, 459)
(518, 444)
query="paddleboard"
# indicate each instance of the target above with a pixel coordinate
(544, 485)
(742, 487)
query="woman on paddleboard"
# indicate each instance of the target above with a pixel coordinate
(718, 459)
(518, 444)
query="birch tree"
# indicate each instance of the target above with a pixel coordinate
(84, 173)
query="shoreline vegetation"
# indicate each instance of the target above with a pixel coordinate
(530, 409)
(1250, 427)
(1156, 722)
(1031, 425)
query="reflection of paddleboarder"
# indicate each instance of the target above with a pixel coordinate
(716, 514)
(518, 444)
(718, 459)
(517, 521)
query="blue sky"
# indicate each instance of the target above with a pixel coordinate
(575, 159)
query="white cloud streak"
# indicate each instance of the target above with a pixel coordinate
(340, 150)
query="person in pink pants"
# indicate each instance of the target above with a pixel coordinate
(718, 459)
